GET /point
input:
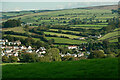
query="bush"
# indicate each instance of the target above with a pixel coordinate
(29, 57)
(4, 59)
(53, 53)
(96, 54)
(68, 58)
(110, 55)
(44, 59)
(12, 59)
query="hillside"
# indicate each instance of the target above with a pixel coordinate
(104, 7)
(100, 68)
(76, 19)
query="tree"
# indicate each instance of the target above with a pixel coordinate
(63, 50)
(105, 44)
(29, 57)
(11, 23)
(68, 58)
(4, 59)
(12, 59)
(96, 54)
(51, 41)
(110, 55)
(38, 44)
(27, 28)
(53, 53)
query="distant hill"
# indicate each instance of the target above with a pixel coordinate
(102, 7)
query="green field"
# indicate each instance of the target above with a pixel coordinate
(24, 37)
(89, 25)
(15, 29)
(110, 35)
(114, 40)
(59, 34)
(64, 40)
(94, 68)
(57, 17)
(77, 32)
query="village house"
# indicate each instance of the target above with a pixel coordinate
(81, 38)
(41, 50)
(72, 47)
(29, 51)
(23, 47)
(95, 36)
(29, 47)
(80, 54)
(74, 55)
(8, 50)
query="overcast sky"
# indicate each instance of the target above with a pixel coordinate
(18, 5)
(60, 0)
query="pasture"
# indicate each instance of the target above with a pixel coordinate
(94, 68)
(68, 41)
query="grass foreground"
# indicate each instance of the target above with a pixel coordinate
(94, 68)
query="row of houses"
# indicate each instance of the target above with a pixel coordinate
(83, 38)
(8, 50)
(6, 42)
(74, 55)
(15, 48)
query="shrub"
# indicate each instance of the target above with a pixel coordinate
(4, 59)
(96, 54)
(68, 58)
(29, 57)
(12, 59)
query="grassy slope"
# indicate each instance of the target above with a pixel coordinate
(59, 34)
(111, 34)
(15, 29)
(114, 40)
(64, 40)
(94, 68)
(24, 37)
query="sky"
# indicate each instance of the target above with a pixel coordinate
(60, 0)
(12, 5)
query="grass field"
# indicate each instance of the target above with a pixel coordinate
(59, 34)
(94, 68)
(114, 40)
(111, 34)
(77, 32)
(64, 40)
(36, 39)
(15, 29)
(89, 25)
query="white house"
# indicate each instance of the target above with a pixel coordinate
(2, 47)
(17, 42)
(72, 47)
(42, 48)
(16, 47)
(42, 52)
(74, 55)
(68, 54)
(10, 43)
(15, 54)
(29, 47)
(37, 50)
(80, 54)
(2, 54)
(81, 38)
(8, 50)
(23, 47)
(29, 51)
